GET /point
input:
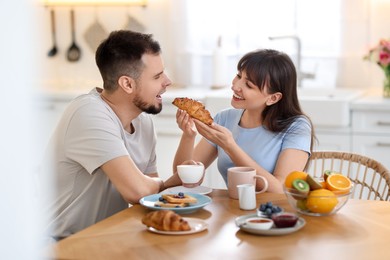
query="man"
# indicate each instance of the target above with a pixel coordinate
(102, 153)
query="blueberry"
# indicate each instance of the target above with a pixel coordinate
(262, 207)
(161, 199)
(278, 209)
(269, 204)
(181, 194)
(268, 211)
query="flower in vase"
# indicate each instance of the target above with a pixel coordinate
(380, 54)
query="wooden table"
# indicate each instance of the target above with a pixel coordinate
(360, 230)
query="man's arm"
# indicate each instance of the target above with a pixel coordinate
(131, 183)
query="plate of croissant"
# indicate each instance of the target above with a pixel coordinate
(181, 202)
(167, 222)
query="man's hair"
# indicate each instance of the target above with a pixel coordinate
(120, 54)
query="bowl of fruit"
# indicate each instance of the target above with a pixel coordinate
(319, 196)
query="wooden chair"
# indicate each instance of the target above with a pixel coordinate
(371, 178)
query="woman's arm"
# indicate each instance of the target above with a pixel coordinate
(289, 159)
(204, 152)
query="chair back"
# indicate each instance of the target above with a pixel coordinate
(371, 179)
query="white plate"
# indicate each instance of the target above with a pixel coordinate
(199, 189)
(197, 225)
(202, 200)
(274, 231)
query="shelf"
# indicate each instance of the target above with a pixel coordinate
(54, 3)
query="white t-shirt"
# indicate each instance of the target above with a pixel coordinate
(88, 135)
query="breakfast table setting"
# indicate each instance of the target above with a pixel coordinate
(221, 228)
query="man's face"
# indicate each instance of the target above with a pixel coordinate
(151, 84)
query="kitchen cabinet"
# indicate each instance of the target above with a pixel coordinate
(333, 139)
(371, 128)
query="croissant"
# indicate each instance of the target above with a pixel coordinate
(165, 220)
(194, 108)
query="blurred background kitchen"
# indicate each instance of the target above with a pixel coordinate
(44, 67)
(202, 42)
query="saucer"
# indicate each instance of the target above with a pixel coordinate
(274, 231)
(199, 189)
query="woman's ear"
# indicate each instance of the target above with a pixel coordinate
(274, 98)
(127, 84)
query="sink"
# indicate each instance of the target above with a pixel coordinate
(328, 106)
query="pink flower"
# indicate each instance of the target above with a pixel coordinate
(384, 58)
(380, 54)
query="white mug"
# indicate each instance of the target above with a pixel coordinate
(190, 174)
(247, 196)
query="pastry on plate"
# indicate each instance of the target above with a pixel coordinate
(194, 108)
(165, 220)
(179, 198)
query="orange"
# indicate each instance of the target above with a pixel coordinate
(294, 175)
(338, 183)
(321, 201)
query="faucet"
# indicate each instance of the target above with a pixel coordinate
(300, 74)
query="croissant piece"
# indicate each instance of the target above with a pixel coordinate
(165, 220)
(194, 108)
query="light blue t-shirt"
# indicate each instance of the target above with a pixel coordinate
(260, 144)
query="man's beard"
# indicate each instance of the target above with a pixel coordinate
(145, 107)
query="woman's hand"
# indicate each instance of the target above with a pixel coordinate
(185, 123)
(215, 133)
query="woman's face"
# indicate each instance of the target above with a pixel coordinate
(247, 95)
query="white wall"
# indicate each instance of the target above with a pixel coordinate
(334, 40)
(19, 208)
(59, 73)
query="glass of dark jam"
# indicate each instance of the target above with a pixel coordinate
(284, 220)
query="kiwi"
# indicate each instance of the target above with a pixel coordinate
(301, 189)
(313, 183)
(327, 173)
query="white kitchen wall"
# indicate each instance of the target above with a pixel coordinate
(335, 36)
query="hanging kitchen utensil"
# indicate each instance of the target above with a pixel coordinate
(74, 52)
(134, 25)
(53, 50)
(95, 34)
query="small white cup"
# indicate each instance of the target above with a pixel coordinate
(247, 196)
(259, 223)
(190, 174)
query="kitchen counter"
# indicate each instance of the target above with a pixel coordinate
(374, 103)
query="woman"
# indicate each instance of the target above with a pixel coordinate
(266, 128)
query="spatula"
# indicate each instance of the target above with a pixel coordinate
(74, 52)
